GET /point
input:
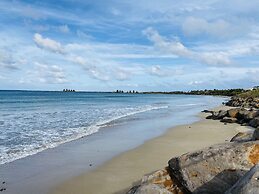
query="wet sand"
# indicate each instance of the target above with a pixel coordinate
(123, 171)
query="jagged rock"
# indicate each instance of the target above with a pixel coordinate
(207, 111)
(249, 102)
(256, 134)
(228, 120)
(156, 183)
(214, 169)
(233, 112)
(222, 114)
(249, 115)
(214, 115)
(248, 184)
(243, 137)
(254, 122)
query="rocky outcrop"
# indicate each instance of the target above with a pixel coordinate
(212, 170)
(242, 116)
(157, 182)
(215, 169)
(249, 183)
(248, 102)
(254, 122)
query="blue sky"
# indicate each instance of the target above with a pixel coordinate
(140, 45)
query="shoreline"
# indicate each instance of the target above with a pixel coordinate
(121, 172)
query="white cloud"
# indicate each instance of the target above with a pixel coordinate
(90, 66)
(159, 71)
(44, 73)
(7, 61)
(48, 44)
(177, 48)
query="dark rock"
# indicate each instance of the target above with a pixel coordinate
(241, 121)
(209, 117)
(214, 169)
(256, 134)
(243, 137)
(228, 120)
(249, 115)
(207, 111)
(222, 114)
(254, 122)
(249, 183)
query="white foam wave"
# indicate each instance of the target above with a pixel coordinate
(7, 156)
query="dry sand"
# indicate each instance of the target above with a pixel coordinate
(120, 173)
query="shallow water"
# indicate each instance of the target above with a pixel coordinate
(32, 121)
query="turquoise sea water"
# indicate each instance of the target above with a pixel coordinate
(32, 121)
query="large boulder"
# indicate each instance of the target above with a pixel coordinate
(249, 115)
(156, 183)
(222, 114)
(249, 183)
(243, 137)
(214, 169)
(233, 112)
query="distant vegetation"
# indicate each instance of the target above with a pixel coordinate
(215, 92)
(228, 92)
(252, 93)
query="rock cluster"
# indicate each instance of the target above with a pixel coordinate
(248, 102)
(242, 116)
(229, 168)
(248, 117)
(225, 168)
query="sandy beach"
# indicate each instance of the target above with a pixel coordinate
(120, 173)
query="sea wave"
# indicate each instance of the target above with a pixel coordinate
(69, 134)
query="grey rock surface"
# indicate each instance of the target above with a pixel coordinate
(248, 184)
(214, 169)
(243, 137)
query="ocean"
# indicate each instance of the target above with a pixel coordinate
(33, 121)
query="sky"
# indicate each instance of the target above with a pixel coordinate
(144, 45)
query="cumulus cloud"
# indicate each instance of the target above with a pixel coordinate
(45, 73)
(102, 70)
(89, 66)
(48, 44)
(177, 48)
